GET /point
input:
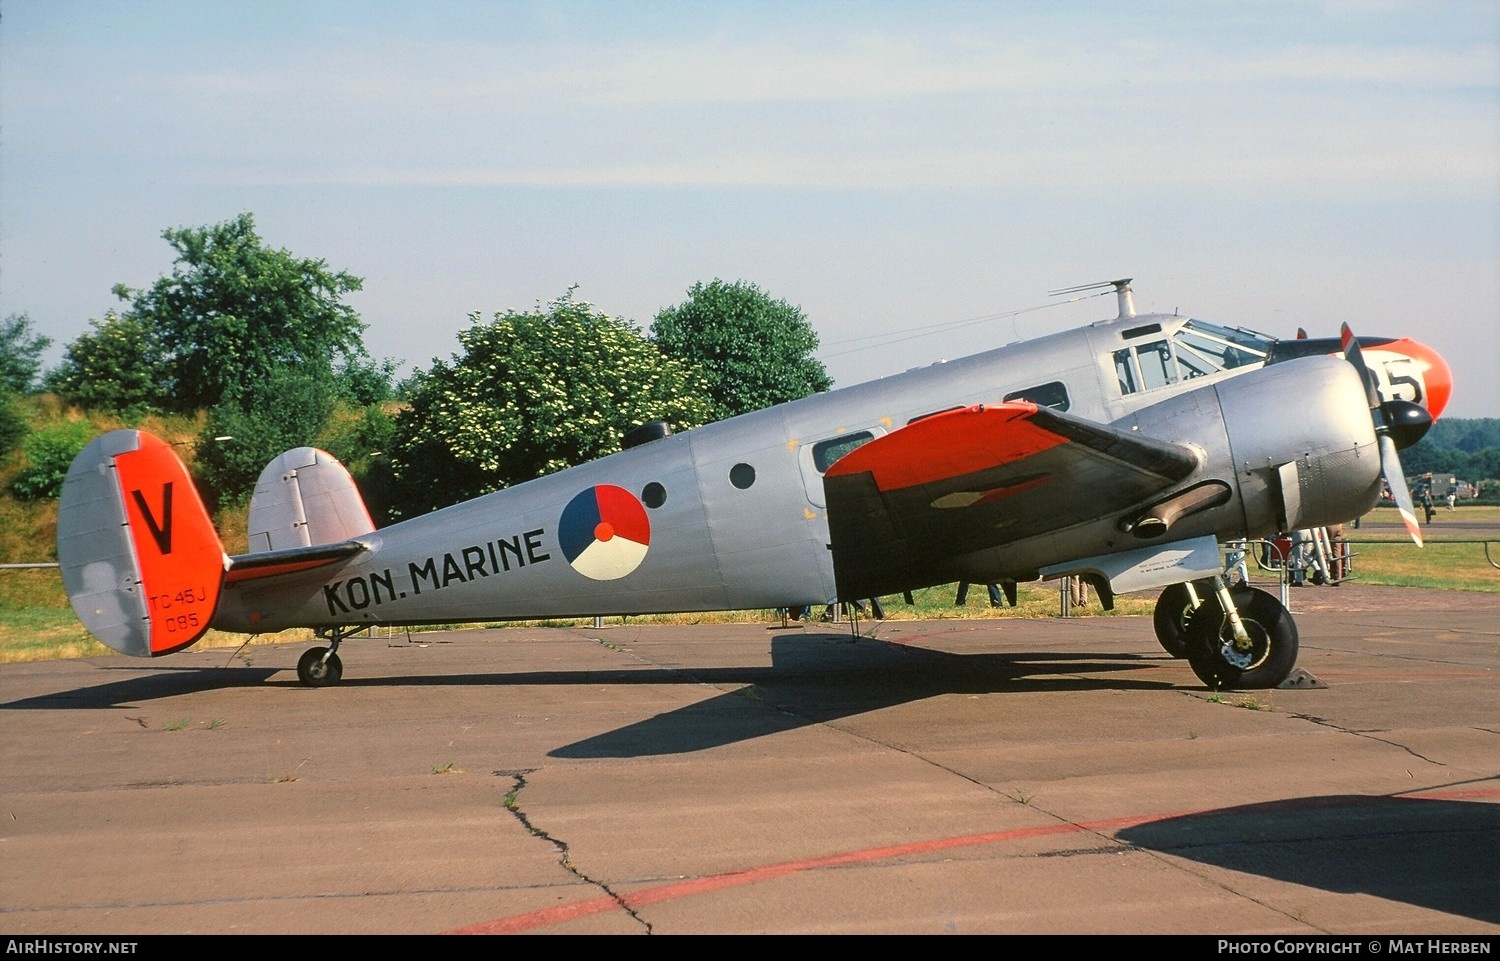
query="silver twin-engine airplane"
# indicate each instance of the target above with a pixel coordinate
(1124, 452)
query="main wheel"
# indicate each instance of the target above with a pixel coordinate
(1170, 618)
(1222, 663)
(313, 671)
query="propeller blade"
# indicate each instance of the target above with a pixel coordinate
(1352, 353)
(1390, 466)
(1390, 460)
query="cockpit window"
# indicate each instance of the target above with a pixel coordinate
(1157, 369)
(1160, 363)
(1222, 347)
(1198, 349)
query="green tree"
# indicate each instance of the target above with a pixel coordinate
(21, 351)
(254, 423)
(364, 381)
(533, 393)
(112, 366)
(234, 311)
(755, 350)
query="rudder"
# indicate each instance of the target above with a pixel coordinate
(140, 559)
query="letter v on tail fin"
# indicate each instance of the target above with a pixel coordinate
(141, 562)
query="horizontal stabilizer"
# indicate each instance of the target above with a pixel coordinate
(247, 567)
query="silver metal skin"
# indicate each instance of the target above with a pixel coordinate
(715, 546)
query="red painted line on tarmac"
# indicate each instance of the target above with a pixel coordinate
(667, 892)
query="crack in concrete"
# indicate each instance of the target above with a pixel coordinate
(1323, 722)
(512, 804)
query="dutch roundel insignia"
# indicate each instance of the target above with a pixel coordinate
(604, 532)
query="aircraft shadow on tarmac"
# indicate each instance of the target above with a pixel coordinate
(823, 677)
(1432, 853)
(812, 678)
(146, 683)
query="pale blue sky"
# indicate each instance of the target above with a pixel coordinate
(889, 167)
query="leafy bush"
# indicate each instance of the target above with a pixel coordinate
(13, 426)
(49, 452)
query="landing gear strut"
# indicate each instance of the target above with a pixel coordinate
(320, 666)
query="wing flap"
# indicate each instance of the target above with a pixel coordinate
(904, 508)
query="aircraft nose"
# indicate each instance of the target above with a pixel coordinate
(1431, 369)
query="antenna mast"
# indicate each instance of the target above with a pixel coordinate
(1122, 293)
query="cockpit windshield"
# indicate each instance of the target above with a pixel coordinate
(1223, 347)
(1197, 349)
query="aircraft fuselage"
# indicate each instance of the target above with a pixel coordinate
(732, 515)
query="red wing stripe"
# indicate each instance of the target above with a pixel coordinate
(950, 444)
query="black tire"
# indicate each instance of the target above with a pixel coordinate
(1211, 648)
(1170, 618)
(313, 671)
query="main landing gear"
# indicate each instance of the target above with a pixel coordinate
(1232, 638)
(320, 666)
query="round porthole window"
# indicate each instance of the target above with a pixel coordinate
(653, 495)
(742, 475)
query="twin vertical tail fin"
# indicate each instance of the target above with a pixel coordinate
(141, 561)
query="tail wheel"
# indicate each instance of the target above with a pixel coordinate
(314, 671)
(1222, 663)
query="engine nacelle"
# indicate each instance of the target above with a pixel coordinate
(1303, 445)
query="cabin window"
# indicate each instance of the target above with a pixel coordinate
(825, 452)
(742, 476)
(1053, 395)
(653, 495)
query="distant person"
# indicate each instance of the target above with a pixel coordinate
(1338, 562)
(1234, 562)
(1452, 497)
(1297, 562)
(1427, 503)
